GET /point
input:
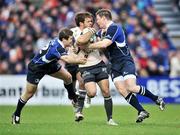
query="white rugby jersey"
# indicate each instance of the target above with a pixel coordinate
(93, 56)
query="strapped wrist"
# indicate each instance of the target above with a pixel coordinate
(92, 31)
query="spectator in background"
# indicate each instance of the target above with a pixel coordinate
(156, 63)
(26, 24)
(176, 5)
(175, 65)
(42, 41)
(143, 62)
(132, 42)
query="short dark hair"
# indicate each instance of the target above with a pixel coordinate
(104, 12)
(80, 17)
(65, 33)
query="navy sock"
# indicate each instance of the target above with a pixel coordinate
(132, 100)
(71, 92)
(143, 91)
(108, 105)
(19, 107)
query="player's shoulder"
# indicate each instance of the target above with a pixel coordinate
(115, 26)
(75, 29)
(54, 42)
(76, 32)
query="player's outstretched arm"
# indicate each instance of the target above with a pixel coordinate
(74, 59)
(100, 44)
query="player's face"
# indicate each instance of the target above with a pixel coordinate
(88, 22)
(68, 42)
(101, 22)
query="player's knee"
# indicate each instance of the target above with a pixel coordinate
(123, 92)
(131, 87)
(68, 79)
(81, 85)
(91, 94)
(106, 93)
(29, 93)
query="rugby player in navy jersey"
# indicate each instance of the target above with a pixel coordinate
(46, 62)
(123, 70)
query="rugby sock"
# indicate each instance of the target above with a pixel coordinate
(71, 91)
(19, 107)
(81, 98)
(108, 107)
(143, 91)
(132, 100)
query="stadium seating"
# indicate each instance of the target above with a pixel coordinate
(26, 26)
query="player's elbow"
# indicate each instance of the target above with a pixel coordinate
(104, 46)
(80, 41)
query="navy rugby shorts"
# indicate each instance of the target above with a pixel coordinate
(123, 69)
(36, 72)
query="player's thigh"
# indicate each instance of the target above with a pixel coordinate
(91, 88)
(104, 86)
(118, 81)
(62, 74)
(121, 87)
(29, 91)
(131, 85)
(72, 69)
(31, 87)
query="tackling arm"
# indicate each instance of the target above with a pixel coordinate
(74, 59)
(100, 44)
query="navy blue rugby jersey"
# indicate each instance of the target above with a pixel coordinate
(50, 53)
(118, 50)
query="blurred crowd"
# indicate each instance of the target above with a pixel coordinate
(176, 5)
(27, 25)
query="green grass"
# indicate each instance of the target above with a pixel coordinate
(59, 120)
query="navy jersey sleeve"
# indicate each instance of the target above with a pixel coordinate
(113, 32)
(60, 51)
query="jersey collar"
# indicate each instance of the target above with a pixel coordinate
(61, 43)
(107, 25)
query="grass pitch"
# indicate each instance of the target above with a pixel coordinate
(59, 120)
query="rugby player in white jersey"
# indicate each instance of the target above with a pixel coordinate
(94, 71)
(82, 21)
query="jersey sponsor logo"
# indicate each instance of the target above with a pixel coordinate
(85, 73)
(125, 73)
(37, 80)
(104, 70)
(58, 66)
(120, 44)
(45, 60)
